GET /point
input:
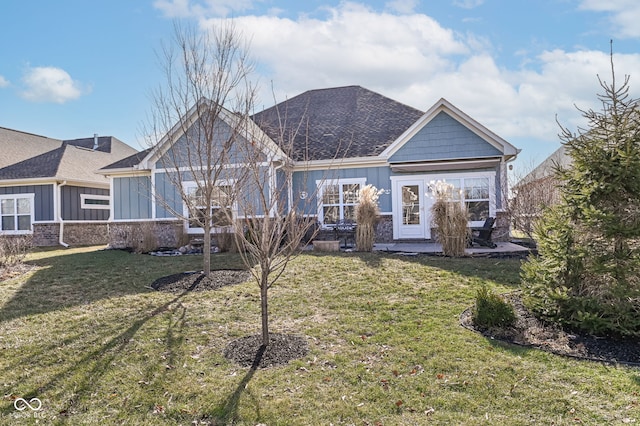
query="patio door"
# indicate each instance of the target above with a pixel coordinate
(410, 210)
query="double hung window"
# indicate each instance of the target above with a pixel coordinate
(338, 200)
(475, 193)
(218, 212)
(16, 213)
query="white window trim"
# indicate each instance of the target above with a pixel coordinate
(85, 197)
(185, 210)
(31, 198)
(321, 184)
(471, 175)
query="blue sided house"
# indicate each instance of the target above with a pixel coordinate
(337, 141)
(49, 188)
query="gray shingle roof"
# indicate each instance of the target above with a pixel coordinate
(129, 161)
(43, 165)
(339, 122)
(17, 146)
(31, 156)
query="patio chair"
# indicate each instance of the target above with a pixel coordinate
(345, 228)
(482, 235)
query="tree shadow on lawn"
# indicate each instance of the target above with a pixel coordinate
(227, 413)
(83, 278)
(85, 373)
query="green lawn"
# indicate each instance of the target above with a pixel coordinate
(85, 335)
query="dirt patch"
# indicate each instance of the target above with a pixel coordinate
(248, 351)
(530, 331)
(196, 281)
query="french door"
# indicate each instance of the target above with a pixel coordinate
(410, 210)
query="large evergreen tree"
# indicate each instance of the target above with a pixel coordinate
(587, 276)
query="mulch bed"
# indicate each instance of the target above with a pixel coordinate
(529, 331)
(248, 351)
(196, 281)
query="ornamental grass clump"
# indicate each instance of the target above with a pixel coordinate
(450, 217)
(366, 217)
(491, 310)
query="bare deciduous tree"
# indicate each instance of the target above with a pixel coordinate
(226, 172)
(270, 226)
(199, 115)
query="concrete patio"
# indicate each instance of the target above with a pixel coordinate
(504, 248)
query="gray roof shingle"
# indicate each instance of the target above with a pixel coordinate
(129, 161)
(339, 122)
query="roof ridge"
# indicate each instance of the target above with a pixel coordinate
(29, 133)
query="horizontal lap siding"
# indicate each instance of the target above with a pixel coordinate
(190, 151)
(306, 181)
(43, 199)
(444, 138)
(169, 200)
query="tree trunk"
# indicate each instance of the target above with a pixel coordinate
(206, 250)
(265, 309)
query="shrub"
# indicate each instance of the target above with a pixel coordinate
(588, 274)
(366, 216)
(491, 310)
(451, 218)
(227, 242)
(13, 249)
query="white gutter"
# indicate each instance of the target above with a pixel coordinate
(61, 238)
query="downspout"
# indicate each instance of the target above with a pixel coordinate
(61, 238)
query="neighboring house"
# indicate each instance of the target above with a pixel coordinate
(346, 137)
(537, 191)
(545, 174)
(49, 188)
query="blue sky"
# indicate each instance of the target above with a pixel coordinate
(72, 68)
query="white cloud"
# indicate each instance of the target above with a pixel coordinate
(50, 84)
(624, 15)
(201, 8)
(354, 45)
(3, 82)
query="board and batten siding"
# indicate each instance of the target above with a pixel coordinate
(72, 204)
(167, 197)
(43, 199)
(444, 138)
(131, 198)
